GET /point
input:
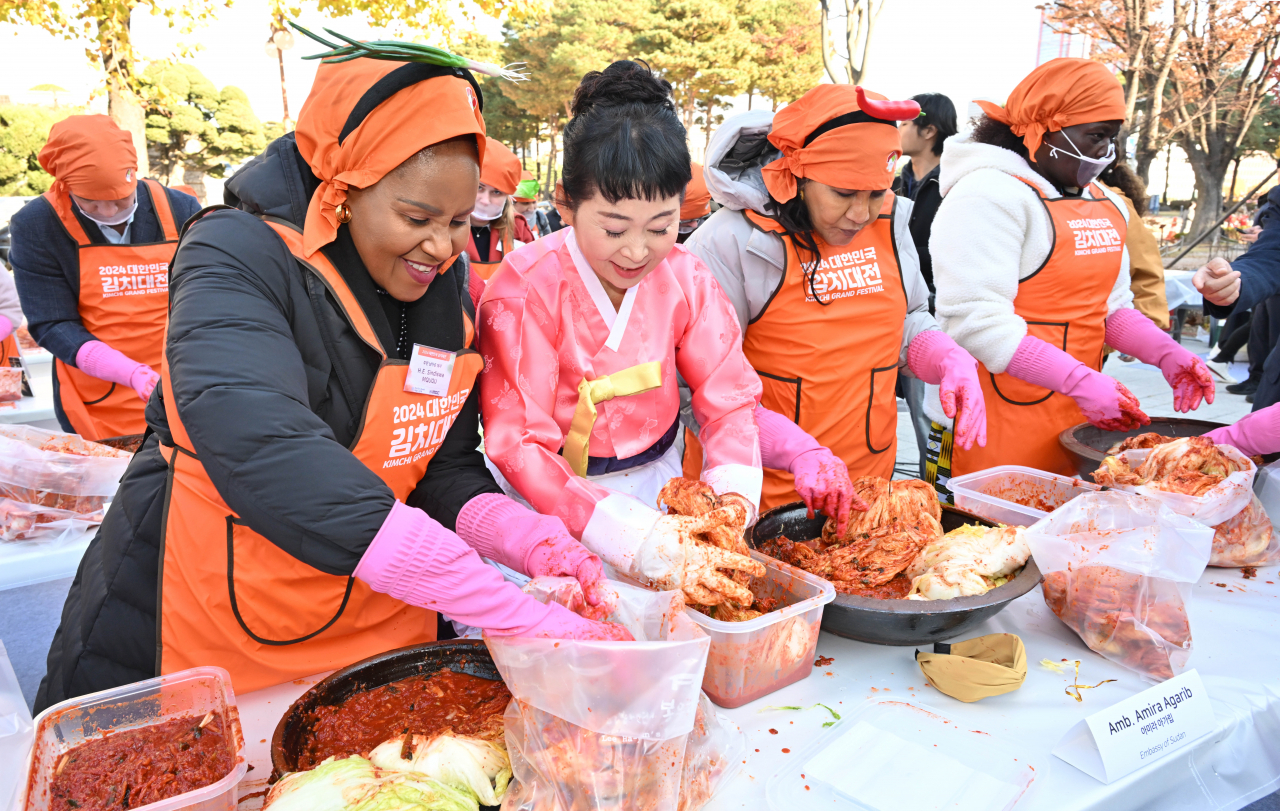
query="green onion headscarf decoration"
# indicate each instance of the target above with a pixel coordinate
(393, 51)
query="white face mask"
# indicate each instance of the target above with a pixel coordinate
(1089, 168)
(121, 216)
(489, 211)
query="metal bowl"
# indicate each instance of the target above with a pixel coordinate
(1088, 444)
(293, 731)
(897, 622)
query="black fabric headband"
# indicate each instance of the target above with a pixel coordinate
(856, 117)
(404, 76)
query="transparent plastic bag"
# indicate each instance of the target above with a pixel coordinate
(1243, 535)
(51, 481)
(607, 725)
(1118, 570)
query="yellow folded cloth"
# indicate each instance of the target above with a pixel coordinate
(976, 668)
(634, 380)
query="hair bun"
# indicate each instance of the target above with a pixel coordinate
(623, 82)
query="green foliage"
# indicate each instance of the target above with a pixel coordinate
(700, 48)
(192, 124)
(1263, 134)
(785, 56)
(24, 128)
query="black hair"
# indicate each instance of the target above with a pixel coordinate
(986, 130)
(936, 110)
(1118, 175)
(625, 139)
(793, 216)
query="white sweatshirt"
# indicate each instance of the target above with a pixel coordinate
(10, 307)
(992, 231)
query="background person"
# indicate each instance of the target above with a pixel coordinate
(815, 255)
(495, 229)
(1033, 274)
(922, 139)
(526, 207)
(91, 261)
(696, 206)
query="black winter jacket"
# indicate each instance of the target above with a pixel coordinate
(927, 196)
(270, 382)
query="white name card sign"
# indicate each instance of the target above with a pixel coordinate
(1139, 730)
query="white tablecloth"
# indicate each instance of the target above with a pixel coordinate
(1237, 652)
(37, 409)
(1180, 291)
(23, 563)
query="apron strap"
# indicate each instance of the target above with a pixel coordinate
(634, 380)
(62, 206)
(164, 212)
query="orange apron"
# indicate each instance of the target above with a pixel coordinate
(831, 369)
(1065, 304)
(124, 302)
(232, 598)
(485, 270)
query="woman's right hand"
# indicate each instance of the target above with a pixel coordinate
(673, 559)
(1105, 401)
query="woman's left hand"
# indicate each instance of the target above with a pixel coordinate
(936, 358)
(1189, 378)
(562, 556)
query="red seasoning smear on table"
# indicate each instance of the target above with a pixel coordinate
(822, 661)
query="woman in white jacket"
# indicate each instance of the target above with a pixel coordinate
(1032, 272)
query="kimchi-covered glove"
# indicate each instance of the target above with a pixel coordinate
(1132, 333)
(1256, 434)
(1105, 401)
(415, 559)
(98, 360)
(561, 623)
(502, 529)
(935, 358)
(822, 480)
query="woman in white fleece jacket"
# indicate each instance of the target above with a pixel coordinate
(1032, 273)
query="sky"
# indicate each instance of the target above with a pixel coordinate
(963, 48)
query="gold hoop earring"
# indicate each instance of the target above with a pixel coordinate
(802, 193)
(343, 213)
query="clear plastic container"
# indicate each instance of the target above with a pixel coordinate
(874, 759)
(754, 658)
(65, 726)
(1014, 495)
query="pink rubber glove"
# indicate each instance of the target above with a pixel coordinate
(414, 559)
(98, 360)
(935, 358)
(538, 545)
(822, 480)
(1105, 401)
(1255, 434)
(1132, 333)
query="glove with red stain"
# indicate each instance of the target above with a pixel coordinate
(1105, 401)
(822, 480)
(561, 623)
(1132, 333)
(937, 359)
(501, 529)
(1256, 434)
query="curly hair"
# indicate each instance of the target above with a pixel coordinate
(987, 130)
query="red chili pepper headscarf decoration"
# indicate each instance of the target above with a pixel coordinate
(364, 118)
(697, 199)
(1060, 93)
(839, 135)
(90, 157)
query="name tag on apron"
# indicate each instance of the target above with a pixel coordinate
(430, 371)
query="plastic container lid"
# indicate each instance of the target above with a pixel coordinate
(756, 657)
(65, 726)
(903, 756)
(1014, 495)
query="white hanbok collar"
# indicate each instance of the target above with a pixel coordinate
(615, 320)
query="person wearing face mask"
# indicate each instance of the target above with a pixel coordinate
(311, 492)
(91, 258)
(525, 203)
(495, 230)
(817, 259)
(1033, 274)
(583, 334)
(697, 204)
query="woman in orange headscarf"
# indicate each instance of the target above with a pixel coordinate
(814, 253)
(1033, 274)
(495, 229)
(315, 437)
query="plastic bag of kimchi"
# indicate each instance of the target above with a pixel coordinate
(10, 384)
(1118, 570)
(602, 725)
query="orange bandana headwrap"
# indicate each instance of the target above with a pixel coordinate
(501, 167)
(697, 200)
(1060, 93)
(859, 155)
(407, 116)
(91, 157)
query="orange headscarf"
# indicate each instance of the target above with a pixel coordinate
(91, 157)
(859, 155)
(697, 200)
(501, 167)
(411, 119)
(1060, 93)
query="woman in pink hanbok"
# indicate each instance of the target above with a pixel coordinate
(585, 336)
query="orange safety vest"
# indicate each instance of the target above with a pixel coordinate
(232, 598)
(124, 302)
(831, 368)
(485, 270)
(1065, 304)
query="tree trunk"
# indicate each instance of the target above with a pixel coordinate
(1209, 177)
(551, 160)
(123, 105)
(194, 177)
(1235, 172)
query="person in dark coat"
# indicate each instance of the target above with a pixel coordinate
(922, 141)
(277, 522)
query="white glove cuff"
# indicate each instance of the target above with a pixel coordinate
(745, 480)
(618, 528)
